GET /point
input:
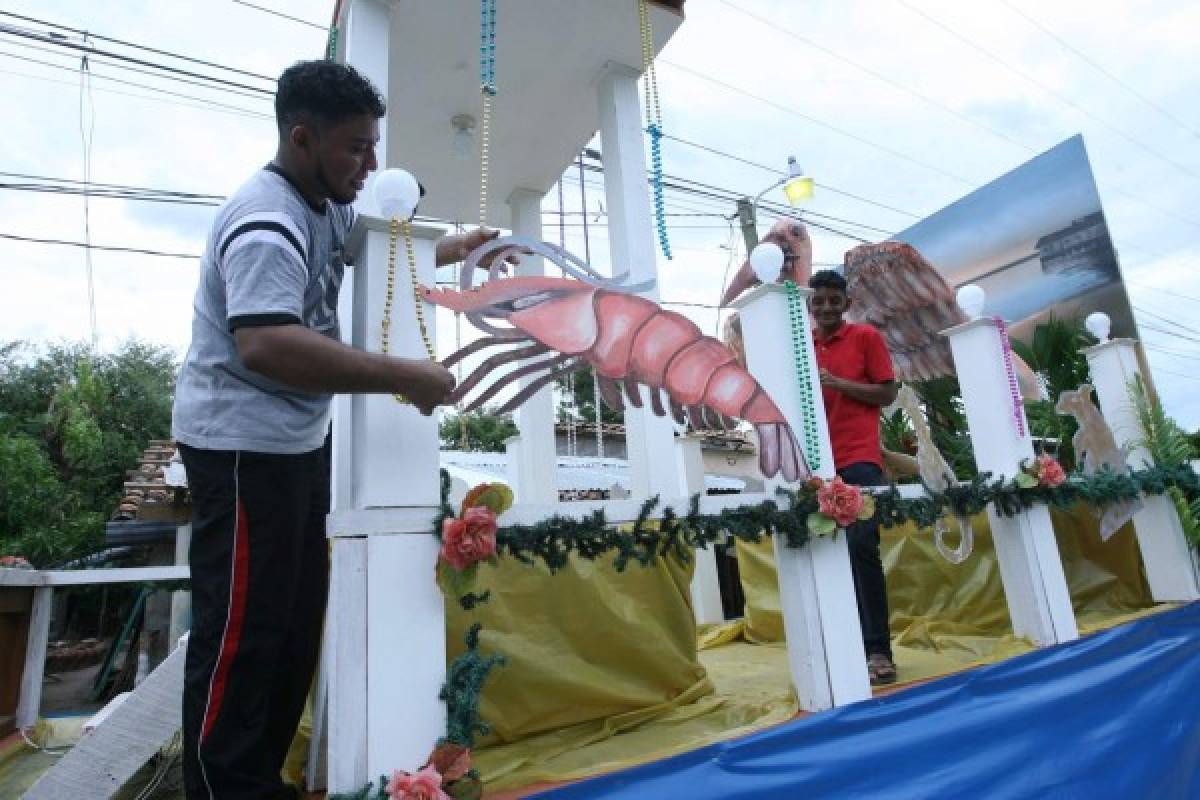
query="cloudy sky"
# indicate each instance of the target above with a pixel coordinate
(898, 107)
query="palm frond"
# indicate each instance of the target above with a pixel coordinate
(1167, 442)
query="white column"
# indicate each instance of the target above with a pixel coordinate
(380, 563)
(537, 462)
(29, 700)
(631, 245)
(346, 655)
(394, 449)
(1030, 566)
(816, 588)
(366, 43)
(706, 585)
(1170, 569)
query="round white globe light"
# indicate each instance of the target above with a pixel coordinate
(971, 299)
(396, 193)
(1098, 325)
(767, 261)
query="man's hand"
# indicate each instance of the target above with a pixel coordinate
(456, 247)
(831, 381)
(426, 384)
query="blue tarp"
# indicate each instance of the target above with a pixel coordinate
(1115, 715)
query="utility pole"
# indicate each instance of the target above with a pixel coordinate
(746, 218)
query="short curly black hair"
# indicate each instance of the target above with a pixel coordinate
(330, 92)
(827, 279)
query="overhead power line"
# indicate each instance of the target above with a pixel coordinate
(1049, 90)
(776, 26)
(818, 122)
(773, 170)
(87, 246)
(275, 13)
(155, 73)
(203, 105)
(89, 49)
(1102, 70)
(136, 46)
(158, 89)
(1167, 320)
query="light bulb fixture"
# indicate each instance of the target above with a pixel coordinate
(767, 261)
(397, 193)
(798, 187)
(971, 299)
(1099, 325)
(463, 143)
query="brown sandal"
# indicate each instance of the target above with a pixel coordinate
(881, 669)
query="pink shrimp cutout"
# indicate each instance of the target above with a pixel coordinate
(560, 324)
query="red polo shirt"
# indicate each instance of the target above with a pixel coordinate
(857, 353)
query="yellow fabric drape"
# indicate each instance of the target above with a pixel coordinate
(593, 653)
(944, 607)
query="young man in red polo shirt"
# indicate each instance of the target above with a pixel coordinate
(856, 382)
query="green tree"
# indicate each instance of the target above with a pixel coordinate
(947, 420)
(72, 421)
(584, 386)
(1055, 353)
(485, 430)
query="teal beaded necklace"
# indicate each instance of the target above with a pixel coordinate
(800, 351)
(653, 127)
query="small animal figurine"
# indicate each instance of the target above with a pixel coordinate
(936, 474)
(1095, 447)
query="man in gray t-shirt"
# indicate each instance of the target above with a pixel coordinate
(251, 418)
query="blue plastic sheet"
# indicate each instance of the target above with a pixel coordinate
(1115, 715)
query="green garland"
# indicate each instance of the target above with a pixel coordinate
(555, 539)
(464, 683)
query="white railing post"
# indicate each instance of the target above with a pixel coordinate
(1170, 569)
(1030, 567)
(631, 245)
(706, 585)
(29, 700)
(391, 452)
(816, 587)
(538, 460)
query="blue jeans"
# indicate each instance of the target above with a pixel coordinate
(870, 588)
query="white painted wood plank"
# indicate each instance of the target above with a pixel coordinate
(104, 760)
(816, 590)
(845, 656)
(406, 653)
(347, 653)
(632, 248)
(87, 577)
(1035, 586)
(537, 461)
(706, 583)
(1169, 568)
(317, 764)
(395, 448)
(802, 627)
(30, 698)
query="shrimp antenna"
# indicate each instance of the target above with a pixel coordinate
(570, 264)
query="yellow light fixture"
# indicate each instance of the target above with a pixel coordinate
(798, 187)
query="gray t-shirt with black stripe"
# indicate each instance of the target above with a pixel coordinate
(270, 259)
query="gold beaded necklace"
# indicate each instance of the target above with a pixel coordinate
(418, 302)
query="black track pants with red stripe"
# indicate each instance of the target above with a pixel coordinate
(260, 575)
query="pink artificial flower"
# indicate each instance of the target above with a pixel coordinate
(841, 501)
(425, 785)
(470, 538)
(1050, 472)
